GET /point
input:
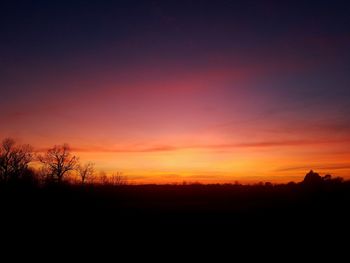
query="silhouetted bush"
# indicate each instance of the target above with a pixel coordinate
(312, 179)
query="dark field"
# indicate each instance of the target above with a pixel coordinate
(324, 206)
(195, 219)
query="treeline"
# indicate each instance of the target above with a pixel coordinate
(21, 164)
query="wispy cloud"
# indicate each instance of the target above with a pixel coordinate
(315, 167)
(131, 149)
(224, 146)
(266, 144)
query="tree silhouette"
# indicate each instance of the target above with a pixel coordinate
(116, 179)
(14, 159)
(85, 171)
(59, 161)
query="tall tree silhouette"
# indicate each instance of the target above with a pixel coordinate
(59, 161)
(14, 159)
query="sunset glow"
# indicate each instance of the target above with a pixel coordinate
(171, 93)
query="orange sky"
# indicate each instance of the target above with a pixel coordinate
(223, 164)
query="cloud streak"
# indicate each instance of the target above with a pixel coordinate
(318, 167)
(170, 148)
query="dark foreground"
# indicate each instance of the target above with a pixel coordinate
(194, 206)
(71, 217)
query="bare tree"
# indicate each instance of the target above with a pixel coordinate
(59, 161)
(14, 159)
(86, 171)
(118, 179)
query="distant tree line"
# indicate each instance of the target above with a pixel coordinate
(56, 165)
(314, 179)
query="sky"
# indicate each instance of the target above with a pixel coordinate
(173, 91)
